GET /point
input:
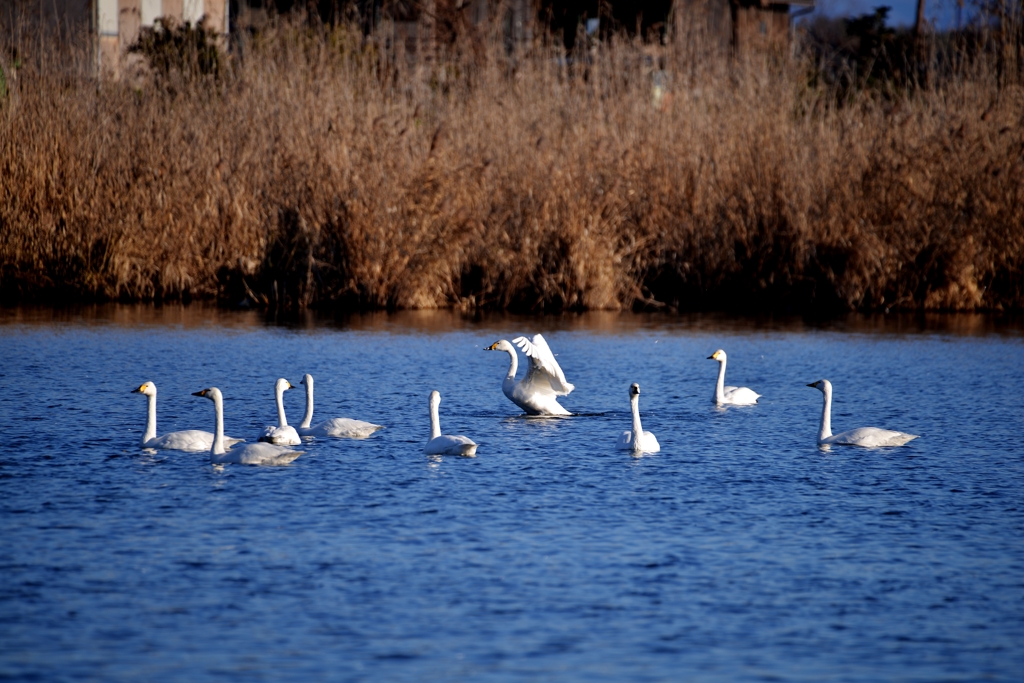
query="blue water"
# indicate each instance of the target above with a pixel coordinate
(740, 552)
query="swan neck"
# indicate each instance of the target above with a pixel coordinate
(435, 423)
(308, 417)
(638, 429)
(825, 429)
(282, 421)
(508, 386)
(513, 365)
(150, 420)
(720, 387)
(218, 434)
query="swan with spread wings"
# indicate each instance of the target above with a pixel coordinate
(537, 393)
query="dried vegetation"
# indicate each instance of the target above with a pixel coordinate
(315, 168)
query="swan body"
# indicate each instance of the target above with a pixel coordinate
(282, 434)
(341, 427)
(730, 396)
(538, 391)
(636, 439)
(445, 444)
(866, 437)
(249, 454)
(186, 440)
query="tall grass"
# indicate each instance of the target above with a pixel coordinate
(317, 168)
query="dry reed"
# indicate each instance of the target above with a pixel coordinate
(318, 170)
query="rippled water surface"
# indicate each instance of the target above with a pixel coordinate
(739, 552)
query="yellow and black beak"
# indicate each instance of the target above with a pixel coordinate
(711, 358)
(137, 391)
(199, 393)
(492, 347)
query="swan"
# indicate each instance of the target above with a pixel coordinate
(537, 393)
(339, 426)
(868, 437)
(282, 434)
(732, 396)
(636, 439)
(249, 454)
(185, 440)
(445, 444)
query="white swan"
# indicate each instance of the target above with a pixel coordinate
(185, 440)
(537, 393)
(732, 396)
(636, 439)
(339, 426)
(249, 454)
(868, 437)
(282, 434)
(445, 444)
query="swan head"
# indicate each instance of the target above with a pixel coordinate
(147, 388)
(822, 385)
(307, 379)
(435, 399)
(634, 390)
(502, 345)
(718, 355)
(213, 393)
(282, 385)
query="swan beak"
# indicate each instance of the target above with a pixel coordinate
(199, 393)
(492, 347)
(711, 358)
(813, 385)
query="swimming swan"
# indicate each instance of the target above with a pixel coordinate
(636, 439)
(445, 444)
(249, 454)
(342, 427)
(282, 434)
(732, 396)
(537, 393)
(868, 437)
(185, 440)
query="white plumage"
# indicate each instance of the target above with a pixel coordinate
(445, 444)
(733, 396)
(186, 440)
(282, 434)
(636, 439)
(537, 393)
(341, 427)
(867, 437)
(249, 454)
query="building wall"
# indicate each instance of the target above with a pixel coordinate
(761, 28)
(118, 23)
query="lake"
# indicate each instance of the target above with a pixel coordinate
(740, 552)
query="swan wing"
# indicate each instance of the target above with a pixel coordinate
(342, 427)
(185, 440)
(281, 436)
(740, 396)
(649, 443)
(544, 375)
(870, 437)
(625, 441)
(448, 444)
(258, 454)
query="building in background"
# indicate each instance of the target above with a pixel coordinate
(419, 28)
(765, 25)
(117, 22)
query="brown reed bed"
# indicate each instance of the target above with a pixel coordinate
(317, 169)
